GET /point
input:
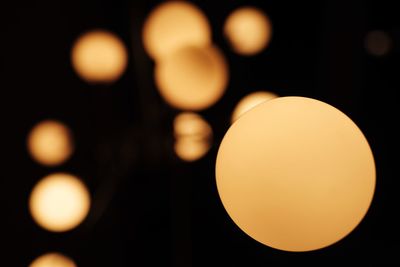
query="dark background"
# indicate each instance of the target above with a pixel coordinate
(150, 208)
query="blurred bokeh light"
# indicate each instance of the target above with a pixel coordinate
(173, 25)
(193, 136)
(250, 101)
(378, 43)
(248, 30)
(53, 260)
(192, 78)
(99, 56)
(59, 202)
(50, 143)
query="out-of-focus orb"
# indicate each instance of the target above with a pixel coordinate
(173, 25)
(50, 143)
(250, 101)
(53, 260)
(99, 56)
(191, 149)
(59, 202)
(295, 174)
(193, 136)
(378, 43)
(189, 124)
(192, 78)
(248, 30)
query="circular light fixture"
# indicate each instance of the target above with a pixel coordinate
(295, 174)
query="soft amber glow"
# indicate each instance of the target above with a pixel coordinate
(53, 260)
(188, 124)
(59, 202)
(378, 43)
(174, 25)
(250, 101)
(192, 136)
(248, 30)
(295, 174)
(99, 57)
(50, 143)
(192, 78)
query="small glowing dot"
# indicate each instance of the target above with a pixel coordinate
(99, 57)
(191, 125)
(192, 78)
(59, 202)
(378, 43)
(174, 25)
(53, 260)
(192, 136)
(248, 30)
(50, 143)
(295, 174)
(249, 102)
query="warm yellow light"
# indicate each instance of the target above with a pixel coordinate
(191, 149)
(192, 136)
(53, 260)
(189, 124)
(295, 174)
(248, 30)
(250, 101)
(50, 143)
(192, 78)
(99, 57)
(378, 43)
(59, 202)
(174, 25)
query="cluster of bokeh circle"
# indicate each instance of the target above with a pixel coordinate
(293, 173)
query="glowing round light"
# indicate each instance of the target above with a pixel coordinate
(50, 143)
(192, 136)
(378, 43)
(53, 260)
(192, 78)
(188, 124)
(248, 30)
(250, 101)
(295, 174)
(191, 149)
(99, 57)
(59, 202)
(174, 25)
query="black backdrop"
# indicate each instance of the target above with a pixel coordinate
(149, 208)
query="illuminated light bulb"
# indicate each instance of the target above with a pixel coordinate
(248, 30)
(378, 43)
(250, 101)
(192, 136)
(50, 143)
(192, 78)
(99, 57)
(59, 202)
(295, 174)
(174, 25)
(53, 260)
